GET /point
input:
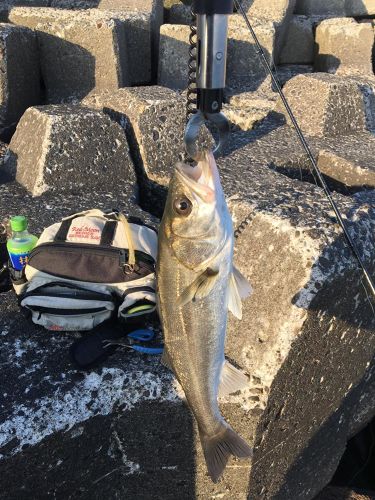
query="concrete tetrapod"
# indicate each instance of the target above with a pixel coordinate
(308, 324)
(67, 148)
(98, 49)
(344, 47)
(19, 76)
(306, 340)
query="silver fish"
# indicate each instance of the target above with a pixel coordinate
(197, 284)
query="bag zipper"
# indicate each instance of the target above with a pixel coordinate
(122, 253)
(66, 312)
(135, 289)
(74, 294)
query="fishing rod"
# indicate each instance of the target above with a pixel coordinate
(207, 71)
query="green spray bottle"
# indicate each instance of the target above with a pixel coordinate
(21, 243)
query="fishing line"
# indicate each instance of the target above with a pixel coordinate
(315, 169)
(368, 298)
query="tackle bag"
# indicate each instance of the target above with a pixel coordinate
(88, 268)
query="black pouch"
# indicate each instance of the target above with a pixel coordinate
(90, 350)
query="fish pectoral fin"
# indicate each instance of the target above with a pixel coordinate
(200, 287)
(232, 380)
(239, 288)
(166, 360)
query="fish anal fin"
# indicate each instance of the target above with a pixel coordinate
(218, 448)
(200, 287)
(232, 380)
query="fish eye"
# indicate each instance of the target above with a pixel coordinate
(183, 206)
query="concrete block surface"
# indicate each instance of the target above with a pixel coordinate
(344, 47)
(332, 493)
(299, 43)
(296, 336)
(154, 120)
(244, 67)
(8, 4)
(152, 10)
(346, 161)
(246, 110)
(179, 13)
(68, 149)
(326, 105)
(292, 336)
(96, 49)
(320, 7)
(358, 8)
(278, 12)
(173, 56)
(349, 161)
(19, 76)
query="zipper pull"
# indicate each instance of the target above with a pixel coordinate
(124, 264)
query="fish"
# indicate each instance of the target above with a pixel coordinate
(197, 283)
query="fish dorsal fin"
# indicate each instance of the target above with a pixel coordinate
(166, 360)
(200, 287)
(239, 288)
(232, 380)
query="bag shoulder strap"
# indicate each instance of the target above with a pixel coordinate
(129, 237)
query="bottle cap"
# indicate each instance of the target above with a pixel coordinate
(18, 223)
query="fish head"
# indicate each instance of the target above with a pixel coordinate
(196, 218)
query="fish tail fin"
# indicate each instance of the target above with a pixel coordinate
(218, 448)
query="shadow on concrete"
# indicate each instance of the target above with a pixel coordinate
(146, 453)
(21, 84)
(68, 70)
(240, 139)
(142, 452)
(133, 33)
(301, 170)
(369, 104)
(245, 71)
(316, 395)
(325, 62)
(67, 73)
(75, 4)
(356, 468)
(8, 173)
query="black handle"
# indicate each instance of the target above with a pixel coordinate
(210, 7)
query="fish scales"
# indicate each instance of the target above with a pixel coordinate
(196, 285)
(195, 335)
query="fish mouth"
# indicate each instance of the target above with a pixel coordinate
(202, 179)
